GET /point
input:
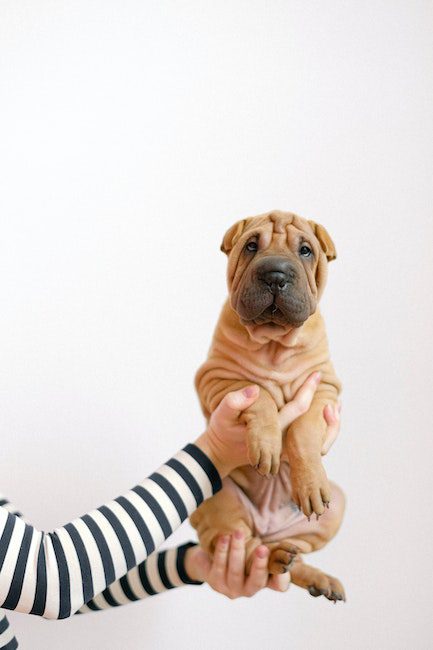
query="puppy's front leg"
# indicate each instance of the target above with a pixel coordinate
(305, 436)
(264, 438)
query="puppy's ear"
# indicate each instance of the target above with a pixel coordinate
(325, 240)
(232, 235)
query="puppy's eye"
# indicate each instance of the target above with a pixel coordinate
(252, 247)
(305, 251)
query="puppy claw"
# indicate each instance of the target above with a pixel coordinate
(322, 585)
(336, 596)
(315, 592)
(282, 558)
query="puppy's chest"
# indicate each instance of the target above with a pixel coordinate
(275, 370)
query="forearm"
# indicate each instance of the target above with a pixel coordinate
(7, 637)
(54, 574)
(159, 573)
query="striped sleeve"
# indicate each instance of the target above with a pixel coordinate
(7, 637)
(159, 573)
(54, 574)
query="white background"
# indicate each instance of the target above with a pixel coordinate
(132, 135)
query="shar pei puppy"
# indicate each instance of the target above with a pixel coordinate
(272, 334)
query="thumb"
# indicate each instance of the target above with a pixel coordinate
(237, 401)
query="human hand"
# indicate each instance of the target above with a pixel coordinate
(225, 572)
(224, 441)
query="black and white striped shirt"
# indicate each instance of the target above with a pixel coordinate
(56, 574)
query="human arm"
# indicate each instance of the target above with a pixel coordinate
(54, 574)
(160, 572)
(8, 640)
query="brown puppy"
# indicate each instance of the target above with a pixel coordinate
(271, 333)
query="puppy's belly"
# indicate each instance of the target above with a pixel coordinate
(269, 503)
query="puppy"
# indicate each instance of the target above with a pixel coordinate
(271, 333)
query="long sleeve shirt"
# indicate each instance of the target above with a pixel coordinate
(56, 574)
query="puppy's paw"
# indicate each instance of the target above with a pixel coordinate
(282, 557)
(316, 582)
(311, 489)
(264, 452)
(328, 586)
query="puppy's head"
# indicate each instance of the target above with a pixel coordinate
(277, 269)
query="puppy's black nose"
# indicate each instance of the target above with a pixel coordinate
(276, 272)
(275, 280)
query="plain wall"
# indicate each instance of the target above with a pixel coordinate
(132, 135)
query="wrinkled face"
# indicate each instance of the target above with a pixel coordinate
(277, 268)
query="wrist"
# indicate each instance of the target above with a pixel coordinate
(203, 442)
(190, 565)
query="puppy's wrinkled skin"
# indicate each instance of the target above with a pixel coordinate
(271, 333)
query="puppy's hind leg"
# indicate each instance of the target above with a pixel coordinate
(309, 536)
(316, 582)
(282, 556)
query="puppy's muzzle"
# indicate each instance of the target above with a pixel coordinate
(277, 273)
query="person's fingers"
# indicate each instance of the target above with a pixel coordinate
(258, 577)
(301, 401)
(237, 401)
(279, 582)
(236, 563)
(217, 573)
(331, 414)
